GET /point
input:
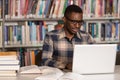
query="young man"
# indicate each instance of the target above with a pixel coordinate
(58, 44)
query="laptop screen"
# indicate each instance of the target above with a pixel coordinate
(95, 58)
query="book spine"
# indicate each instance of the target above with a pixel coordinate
(1, 34)
(9, 67)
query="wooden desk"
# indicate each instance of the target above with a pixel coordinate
(115, 76)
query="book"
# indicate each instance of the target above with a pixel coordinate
(43, 70)
(7, 73)
(1, 34)
(50, 73)
(47, 7)
(9, 67)
(9, 62)
(8, 55)
(32, 69)
(72, 76)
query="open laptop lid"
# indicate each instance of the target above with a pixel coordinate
(96, 58)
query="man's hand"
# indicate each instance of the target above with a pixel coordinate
(60, 65)
(69, 66)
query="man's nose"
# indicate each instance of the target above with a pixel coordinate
(77, 25)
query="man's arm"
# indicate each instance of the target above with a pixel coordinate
(47, 53)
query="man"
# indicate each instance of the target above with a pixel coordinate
(58, 44)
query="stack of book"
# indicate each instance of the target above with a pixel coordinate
(9, 64)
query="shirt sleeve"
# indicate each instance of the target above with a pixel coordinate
(90, 39)
(47, 53)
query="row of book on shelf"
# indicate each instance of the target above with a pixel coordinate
(103, 31)
(35, 8)
(33, 32)
(55, 8)
(29, 56)
(27, 32)
(99, 8)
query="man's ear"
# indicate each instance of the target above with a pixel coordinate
(64, 19)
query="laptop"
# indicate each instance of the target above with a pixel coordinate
(94, 58)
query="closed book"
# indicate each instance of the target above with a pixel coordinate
(9, 67)
(8, 55)
(8, 73)
(9, 62)
(8, 58)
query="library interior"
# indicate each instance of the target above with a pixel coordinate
(25, 23)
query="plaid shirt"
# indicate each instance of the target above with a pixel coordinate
(58, 49)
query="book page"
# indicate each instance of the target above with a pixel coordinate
(72, 76)
(30, 69)
(49, 73)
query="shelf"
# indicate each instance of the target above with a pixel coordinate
(20, 19)
(59, 19)
(100, 18)
(28, 46)
(1, 19)
(33, 19)
(108, 42)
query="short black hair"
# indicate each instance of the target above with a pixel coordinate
(72, 8)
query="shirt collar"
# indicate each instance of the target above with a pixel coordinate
(62, 34)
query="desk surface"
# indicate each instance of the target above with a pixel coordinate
(115, 76)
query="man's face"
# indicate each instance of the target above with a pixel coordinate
(73, 22)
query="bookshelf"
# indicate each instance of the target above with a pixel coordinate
(16, 16)
(30, 12)
(102, 19)
(102, 13)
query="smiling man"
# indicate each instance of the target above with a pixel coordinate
(58, 44)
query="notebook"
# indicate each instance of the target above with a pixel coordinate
(94, 58)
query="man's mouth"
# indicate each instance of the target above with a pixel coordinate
(75, 30)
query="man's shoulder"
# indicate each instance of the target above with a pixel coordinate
(53, 32)
(83, 32)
